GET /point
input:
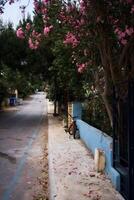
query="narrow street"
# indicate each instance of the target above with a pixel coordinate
(22, 148)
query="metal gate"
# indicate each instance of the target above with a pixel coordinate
(123, 136)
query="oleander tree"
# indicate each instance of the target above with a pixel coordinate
(20, 67)
(98, 33)
(52, 34)
(101, 35)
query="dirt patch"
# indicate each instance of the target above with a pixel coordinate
(42, 194)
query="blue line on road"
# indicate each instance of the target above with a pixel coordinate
(12, 184)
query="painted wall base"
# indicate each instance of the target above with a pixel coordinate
(94, 138)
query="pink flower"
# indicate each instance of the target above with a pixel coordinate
(47, 29)
(82, 7)
(123, 41)
(132, 9)
(45, 1)
(82, 21)
(34, 40)
(44, 11)
(33, 44)
(36, 6)
(122, 34)
(116, 30)
(130, 31)
(81, 67)
(71, 39)
(20, 34)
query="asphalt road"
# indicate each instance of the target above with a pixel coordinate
(21, 148)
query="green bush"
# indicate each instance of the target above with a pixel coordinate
(95, 114)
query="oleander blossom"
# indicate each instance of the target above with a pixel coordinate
(123, 35)
(33, 44)
(47, 30)
(20, 33)
(71, 39)
(34, 40)
(45, 1)
(37, 6)
(81, 67)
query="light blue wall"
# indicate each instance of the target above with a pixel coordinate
(94, 138)
(77, 110)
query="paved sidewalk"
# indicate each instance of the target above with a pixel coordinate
(71, 168)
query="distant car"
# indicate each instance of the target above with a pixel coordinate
(19, 101)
